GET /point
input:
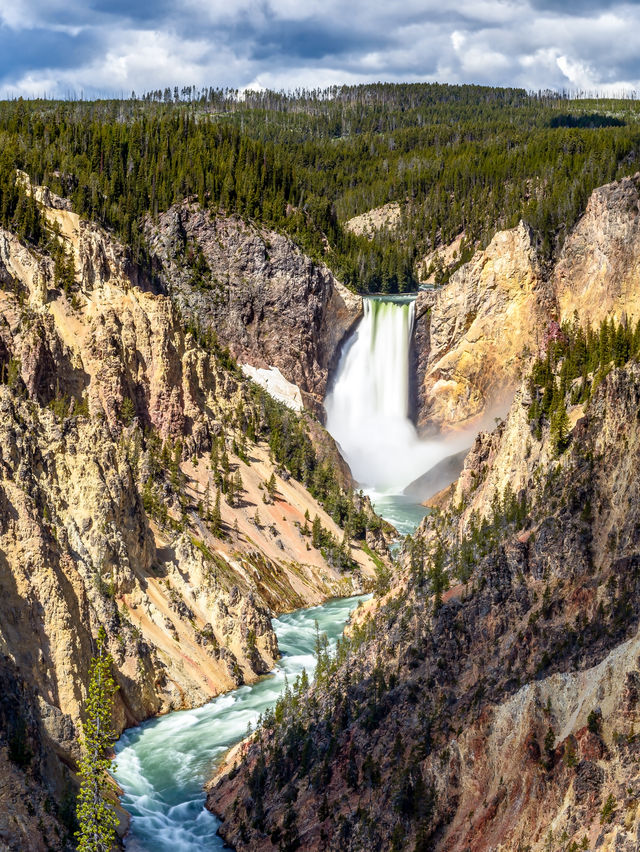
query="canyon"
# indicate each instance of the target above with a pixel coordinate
(124, 421)
(489, 700)
(119, 426)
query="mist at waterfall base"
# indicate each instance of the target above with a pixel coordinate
(368, 412)
(163, 764)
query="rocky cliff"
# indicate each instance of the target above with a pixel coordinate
(265, 299)
(480, 324)
(36, 789)
(500, 713)
(485, 322)
(597, 272)
(138, 491)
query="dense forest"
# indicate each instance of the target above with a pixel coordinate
(458, 159)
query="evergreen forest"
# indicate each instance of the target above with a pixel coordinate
(458, 159)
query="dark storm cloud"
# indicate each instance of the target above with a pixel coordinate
(579, 7)
(314, 39)
(112, 45)
(35, 49)
(143, 11)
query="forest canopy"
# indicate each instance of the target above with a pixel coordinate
(458, 159)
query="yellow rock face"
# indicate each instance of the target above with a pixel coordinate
(598, 271)
(495, 310)
(479, 326)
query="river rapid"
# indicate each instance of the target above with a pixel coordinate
(163, 764)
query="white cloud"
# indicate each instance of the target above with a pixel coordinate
(288, 43)
(458, 40)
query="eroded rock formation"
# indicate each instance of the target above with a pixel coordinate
(266, 300)
(504, 716)
(480, 324)
(484, 324)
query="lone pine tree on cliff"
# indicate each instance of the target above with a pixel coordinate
(96, 818)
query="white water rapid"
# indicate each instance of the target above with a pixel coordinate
(163, 764)
(368, 411)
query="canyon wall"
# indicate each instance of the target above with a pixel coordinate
(494, 312)
(109, 411)
(500, 713)
(268, 302)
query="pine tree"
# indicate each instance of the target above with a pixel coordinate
(438, 576)
(96, 818)
(224, 460)
(271, 486)
(176, 473)
(230, 490)
(316, 532)
(216, 516)
(238, 485)
(213, 457)
(559, 429)
(346, 540)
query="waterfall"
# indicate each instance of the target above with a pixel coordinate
(368, 406)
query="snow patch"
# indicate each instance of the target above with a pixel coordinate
(275, 384)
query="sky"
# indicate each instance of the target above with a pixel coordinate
(89, 48)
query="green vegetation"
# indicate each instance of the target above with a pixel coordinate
(594, 722)
(459, 159)
(96, 818)
(608, 810)
(18, 211)
(574, 363)
(292, 450)
(508, 513)
(255, 417)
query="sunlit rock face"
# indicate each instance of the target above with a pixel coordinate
(599, 267)
(479, 326)
(475, 334)
(91, 379)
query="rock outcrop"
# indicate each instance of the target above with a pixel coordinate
(599, 267)
(30, 812)
(268, 302)
(385, 218)
(480, 325)
(439, 261)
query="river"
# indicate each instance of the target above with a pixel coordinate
(163, 764)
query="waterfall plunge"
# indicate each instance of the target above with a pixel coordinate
(368, 406)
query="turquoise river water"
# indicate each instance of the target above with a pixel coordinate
(163, 764)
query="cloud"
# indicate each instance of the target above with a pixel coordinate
(580, 8)
(113, 46)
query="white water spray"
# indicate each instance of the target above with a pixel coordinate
(368, 406)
